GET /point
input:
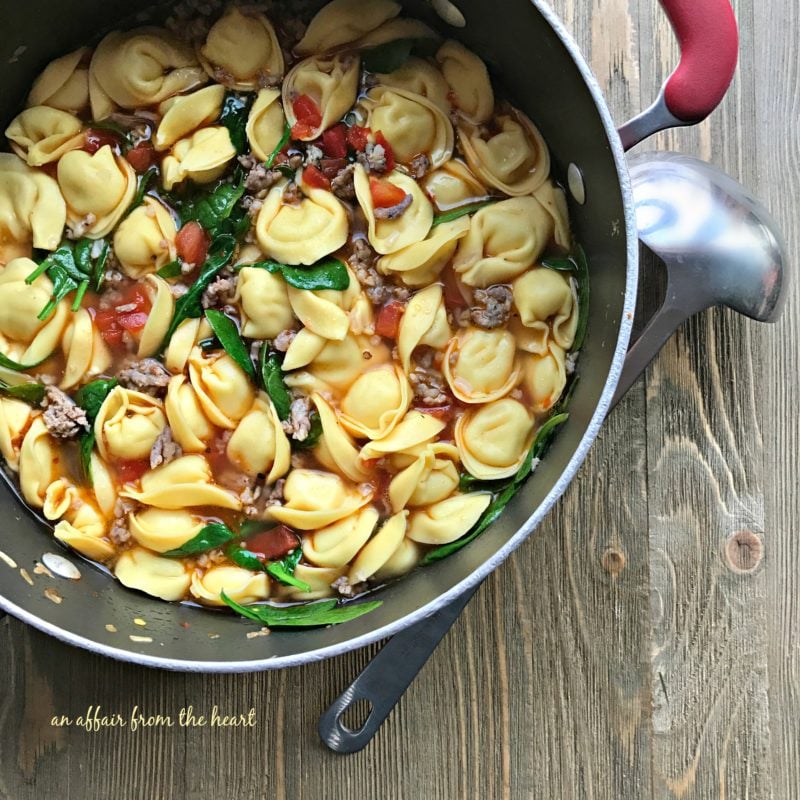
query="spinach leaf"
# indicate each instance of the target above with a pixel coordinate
(559, 263)
(145, 180)
(235, 111)
(90, 398)
(329, 273)
(314, 434)
(8, 363)
(228, 335)
(457, 213)
(250, 527)
(189, 306)
(71, 269)
(98, 270)
(390, 56)
(284, 140)
(283, 570)
(171, 270)
(214, 210)
(244, 558)
(544, 438)
(28, 392)
(325, 612)
(212, 535)
(582, 276)
(272, 379)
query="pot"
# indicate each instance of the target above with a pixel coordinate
(563, 98)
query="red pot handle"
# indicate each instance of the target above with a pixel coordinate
(709, 40)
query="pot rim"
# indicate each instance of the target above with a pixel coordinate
(488, 566)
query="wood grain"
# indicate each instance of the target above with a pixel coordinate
(644, 644)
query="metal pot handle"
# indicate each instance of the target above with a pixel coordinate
(709, 38)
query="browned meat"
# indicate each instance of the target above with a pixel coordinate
(419, 165)
(220, 292)
(292, 194)
(314, 155)
(373, 159)
(429, 386)
(298, 426)
(258, 179)
(275, 496)
(342, 185)
(63, 417)
(165, 449)
(147, 375)
(283, 340)
(375, 286)
(119, 533)
(492, 307)
(78, 229)
(394, 212)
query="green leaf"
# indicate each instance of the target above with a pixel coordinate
(325, 612)
(390, 56)
(8, 363)
(98, 270)
(235, 111)
(583, 298)
(541, 443)
(244, 558)
(283, 570)
(189, 306)
(272, 379)
(314, 434)
(286, 171)
(82, 256)
(144, 185)
(284, 140)
(110, 125)
(559, 263)
(231, 341)
(457, 213)
(91, 396)
(78, 299)
(28, 392)
(85, 448)
(329, 273)
(252, 526)
(171, 270)
(215, 534)
(214, 210)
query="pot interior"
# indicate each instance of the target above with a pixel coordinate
(537, 72)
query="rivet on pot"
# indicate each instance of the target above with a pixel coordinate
(743, 551)
(449, 13)
(577, 188)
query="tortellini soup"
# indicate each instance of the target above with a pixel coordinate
(282, 314)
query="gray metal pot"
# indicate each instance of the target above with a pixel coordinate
(544, 74)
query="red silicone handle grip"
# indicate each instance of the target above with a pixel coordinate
(709, 40)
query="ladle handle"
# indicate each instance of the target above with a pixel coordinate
(709, 39)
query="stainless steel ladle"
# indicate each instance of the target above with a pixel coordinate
(720, 247)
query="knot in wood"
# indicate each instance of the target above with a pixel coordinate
(744, 551)
(613, 561)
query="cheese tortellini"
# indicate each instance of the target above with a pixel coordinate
(242, 50)
(277, 325)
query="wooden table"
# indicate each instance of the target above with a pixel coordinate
(644, 644)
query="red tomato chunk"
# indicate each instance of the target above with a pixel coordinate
(113, 323)
(130, 471)
(385, 194)
(334, 142)
(142, 157)
(314, 178)
(390, 159)
(308, 116)
(357, 137)
(192, 243)
(96, 138)
(387, 323)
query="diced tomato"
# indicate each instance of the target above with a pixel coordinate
(444, 413)
(390, 159)
(357, 137)
(313, 177)
(132, 322)
(331, 167)
(95, 138)
(385, 194)
(387, 323)
(308, 117)
(334, 141)
(141, 157)
(274, 543)
(192, 243)
(109, 327)
(130, 471)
